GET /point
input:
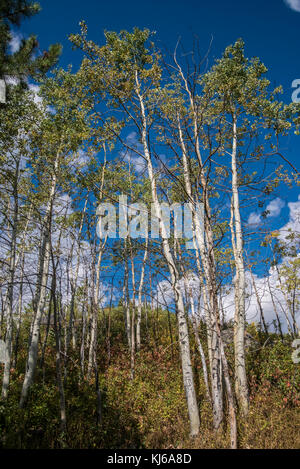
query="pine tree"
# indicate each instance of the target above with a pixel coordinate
(24, 62)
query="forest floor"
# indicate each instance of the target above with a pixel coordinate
(149, 411)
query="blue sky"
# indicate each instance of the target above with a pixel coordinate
(270, 29)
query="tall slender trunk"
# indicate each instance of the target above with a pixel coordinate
(74, 281)
(46, 336)
(95, 309)
(140, 292)
(19, 315)
(83, 331)
(94, 319)
(133, 306)
(59, 379)
(126, 298)
(209, 287)
(232, 412)
(241, 384)
(44, 259)
(21, 260)
(184, 343)
(191, 304)
(10, 290)
(96, 284)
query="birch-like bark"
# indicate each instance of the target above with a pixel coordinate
(132, 350)
(191, 304)
(74, 281)
(126, 298)
(232, 412)
(41, 290)
(95, 311)
(187, 371)
(95, 297)
(140, 292)
(210, 297)
(83, 330)
(241, 384)
(10, 290)
(59, 378)
(21, 260)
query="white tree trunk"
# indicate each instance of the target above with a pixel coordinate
(191, 303)
(210, 298)
(41, 291)
(10, 290)
(141, 284)
(74, 283)
(241, 385)
(132, 350)
(95, 311)
(184, 344)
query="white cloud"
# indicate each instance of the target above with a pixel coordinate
(254, 219)
(134, 152)
(164, 291)
(293, 4)
(274, 207)
(130, 154)
(80, 160)
(15, 42)
(293, 225)
(64, 244)
(268, 288)
(270, 281)
(35, 90)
